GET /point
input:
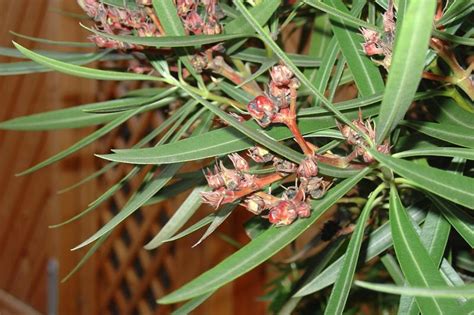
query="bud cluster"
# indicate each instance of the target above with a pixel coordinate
(200, 17)
(119, 21)
(273, 106)
(381, 44)
(358, 143)
(228, 185)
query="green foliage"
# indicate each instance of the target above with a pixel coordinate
(401, 190)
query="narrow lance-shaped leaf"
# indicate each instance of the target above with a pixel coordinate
(411, 45)
(179, 218)
(171, 22)
(454, 187)
(283, 56)
(340, 291)
(459, 219)
(83, 72)
(378, 241)
(447, 132)
(415, 262)
(441, 291)
(259, 249)
(366, 74)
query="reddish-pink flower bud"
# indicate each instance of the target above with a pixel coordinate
(303, 209)
(214, 180)
(263, 110)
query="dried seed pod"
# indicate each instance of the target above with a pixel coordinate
(281, 75)
(199, 62)
(239, 162)
(260, 155)
(303, 210)
(255, 204)
(214, 198)
(232, 178)
(214, 180)
(284, 213)
(284, 166)
(308, 167)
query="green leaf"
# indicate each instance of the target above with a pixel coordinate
(192, 304)
(415, 261)
(82, 71)
(378, 241)
(261, 13)
(366, 74)
(450, 133)
(258, 55)
(25, 67)
(75, 117)
(323, 74)
(411, 45)
(341, 15)
(54, 42)
(260, 248)
(453, 38)
(456, 188)
(451, 113)
(193, 228)
(219, 218)
(83, 142)
(149, 189)
(459, 219)
(170, 41)
(340, 291)
(456, 11)
(432, 150)
(434, 237)
(440, 291)
(171, 22)
(179, 218)
(218, 142)
(266, 38)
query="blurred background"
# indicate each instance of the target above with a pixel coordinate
(121, 278)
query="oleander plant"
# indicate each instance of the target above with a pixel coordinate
(363, 138)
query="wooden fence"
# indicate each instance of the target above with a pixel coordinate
(122, 278)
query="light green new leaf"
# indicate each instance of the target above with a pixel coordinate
(415, 261)
(411, 46)
(441, 292)
(378, 241)
(450, 133)
(179, 218)
(340, 291)
(454, 187)
(365, 72)
(260, 248)
(83, 72)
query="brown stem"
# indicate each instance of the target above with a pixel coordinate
(290, 122)
(260, 183)
(155, 20)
